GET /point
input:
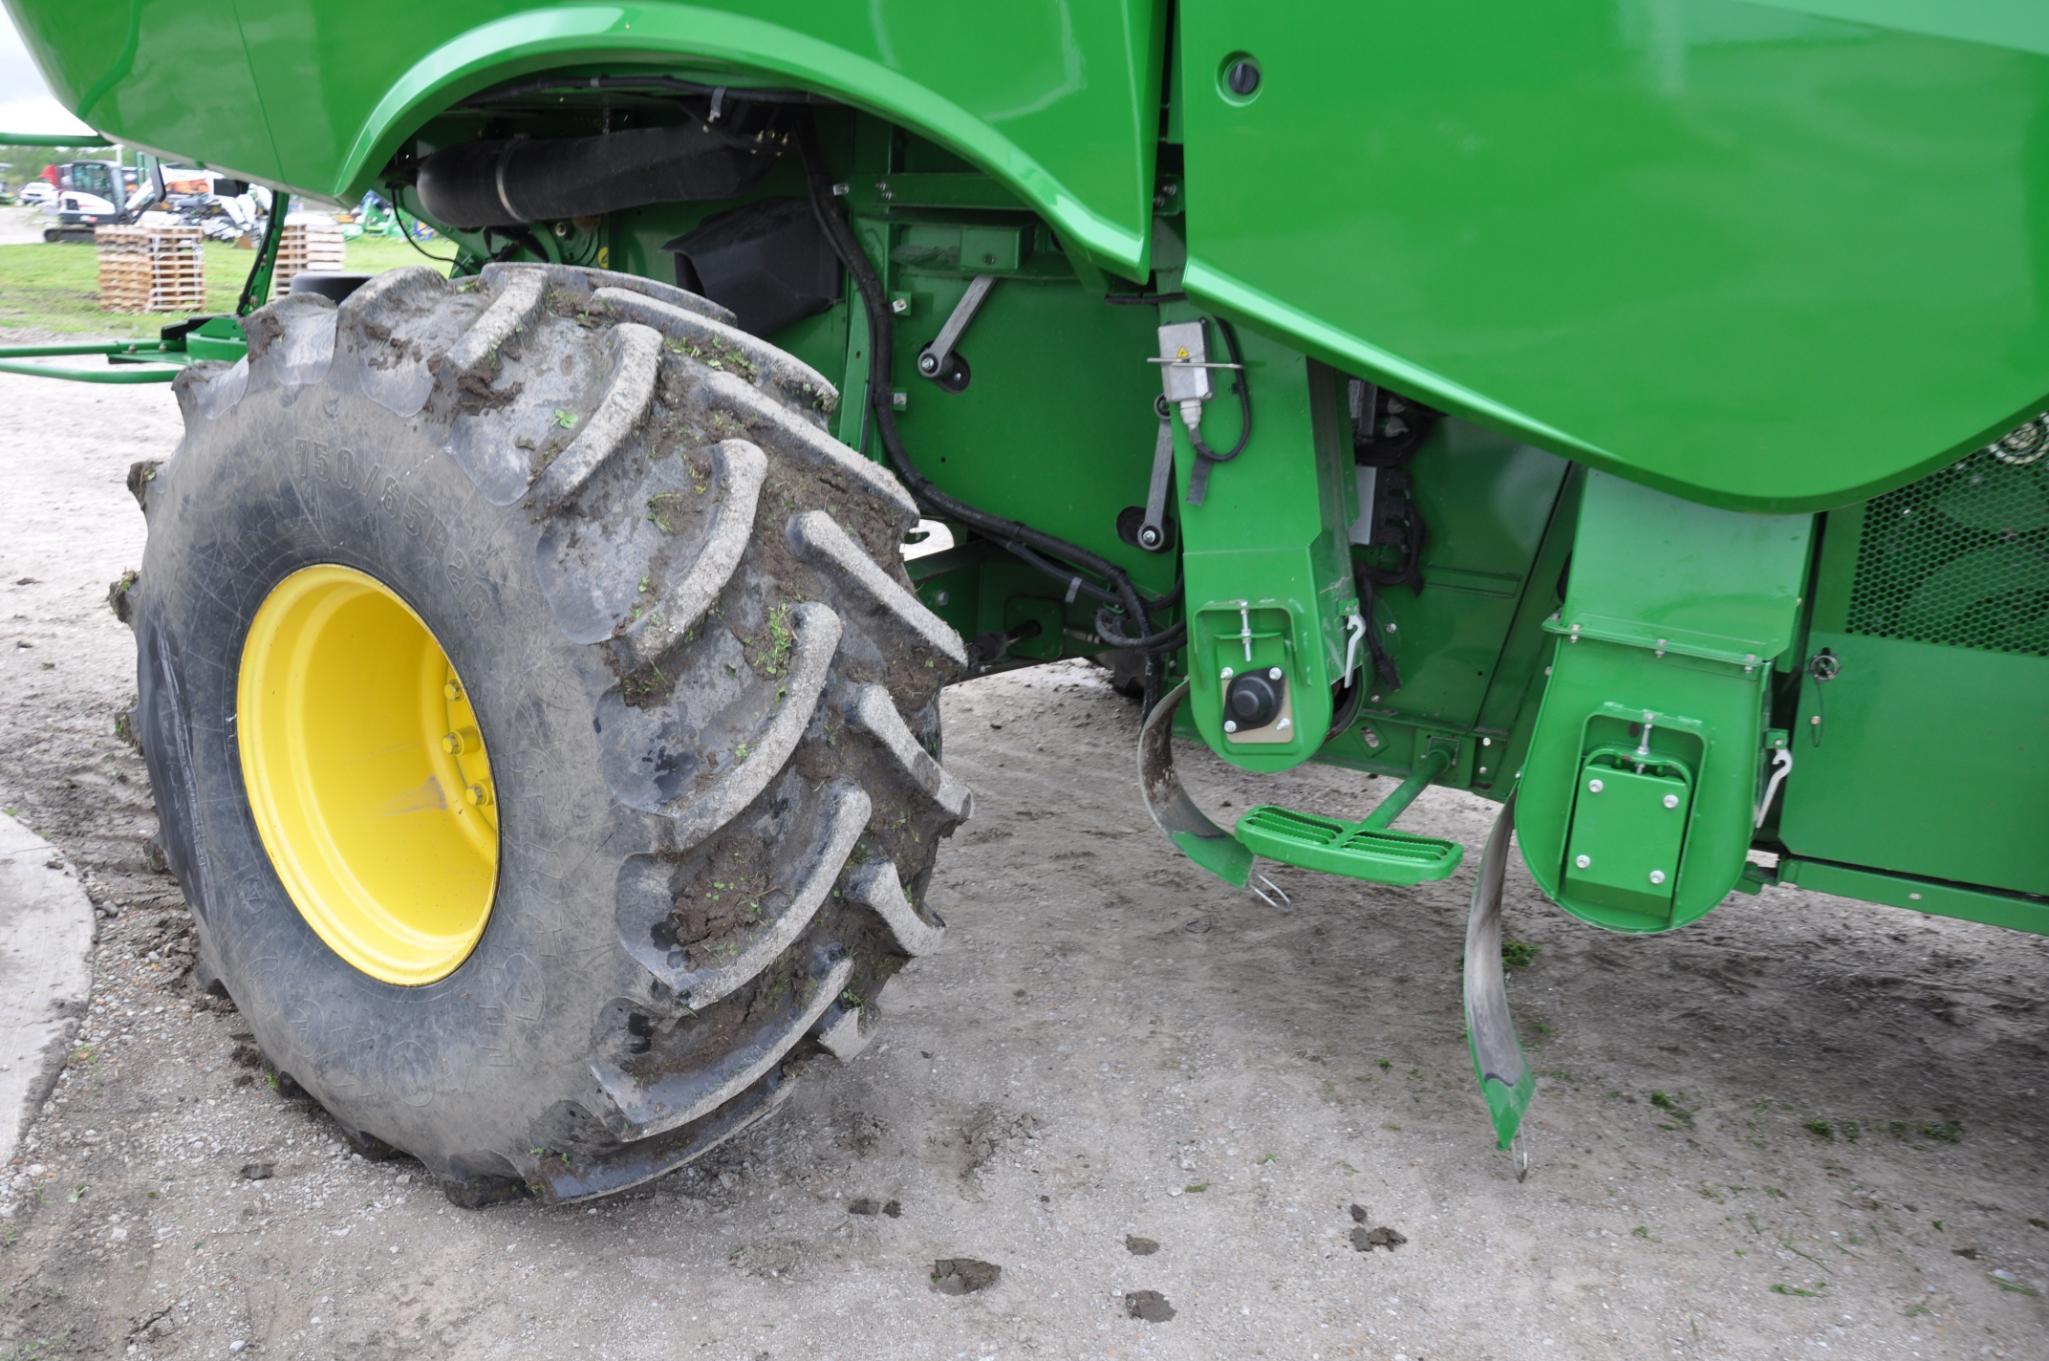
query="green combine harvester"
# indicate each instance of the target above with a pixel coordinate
(1627, 411)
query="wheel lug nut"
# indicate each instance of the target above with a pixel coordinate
(459, 741)
(479, 796)
(452, 691)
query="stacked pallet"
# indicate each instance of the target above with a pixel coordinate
(151, 269)
(314, 246)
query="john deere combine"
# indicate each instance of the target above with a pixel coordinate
(1625, 410)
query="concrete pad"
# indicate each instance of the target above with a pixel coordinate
(46, 931)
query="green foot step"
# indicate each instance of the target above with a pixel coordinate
(1352, 849)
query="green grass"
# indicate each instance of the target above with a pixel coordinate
(48, 287)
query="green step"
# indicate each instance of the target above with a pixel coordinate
(1356, 850)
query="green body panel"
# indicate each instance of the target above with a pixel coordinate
(1658, 692)
(1769, 255)
(2009, 910)
(1058, 101)
(1446, 640)
(1775, 255)
(1932, 605)
(169, 75)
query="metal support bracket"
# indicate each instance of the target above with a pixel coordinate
(1152, 530)
(938, 361)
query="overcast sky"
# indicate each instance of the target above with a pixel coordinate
(25, 103)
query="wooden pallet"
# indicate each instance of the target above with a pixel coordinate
(306, 246)
(151, 269)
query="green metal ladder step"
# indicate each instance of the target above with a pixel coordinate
(1366, 849)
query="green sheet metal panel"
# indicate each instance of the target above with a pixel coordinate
(1929, 761)
(1057, 98)
(1774, 255)
(1926, 752)
(169, 75)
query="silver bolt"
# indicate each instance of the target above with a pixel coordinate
(1583, 861)
(1228, 673)
(1595, 786)
(899, 305)
(1486, 741)
(940, 598)
(1370, 738)
(1671, 800)
(1657, 876)
(1230, 725)
(899, 400)
(1390, 626)
(1274, 674)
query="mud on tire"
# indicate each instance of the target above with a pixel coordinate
(709, 694)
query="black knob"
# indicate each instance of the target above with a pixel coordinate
(1253, 700)
(1242, 76)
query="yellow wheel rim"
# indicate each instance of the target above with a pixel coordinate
(367, 775)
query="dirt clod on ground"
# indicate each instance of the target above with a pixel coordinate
(1140, 1247)
(963, 1275)
(1365, 1240)
(1149, 1305)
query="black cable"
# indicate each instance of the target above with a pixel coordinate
(1244, 394)
(407, 233)
(1029, 545)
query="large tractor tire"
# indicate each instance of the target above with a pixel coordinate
(543, 725)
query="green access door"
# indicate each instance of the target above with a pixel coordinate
(1777, 255)
(1923, 738)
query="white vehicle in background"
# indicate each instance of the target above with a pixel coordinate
(36, 194)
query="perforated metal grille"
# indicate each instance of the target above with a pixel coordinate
(1961, 558)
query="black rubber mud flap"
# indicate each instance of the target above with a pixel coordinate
(1505, 1078)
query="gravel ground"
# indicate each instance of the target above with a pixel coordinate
(1801, 1128)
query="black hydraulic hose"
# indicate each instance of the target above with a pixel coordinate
(1077, 584)
(1169, 639)
(1029, 545)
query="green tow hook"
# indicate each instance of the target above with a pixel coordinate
(1506, 1083)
